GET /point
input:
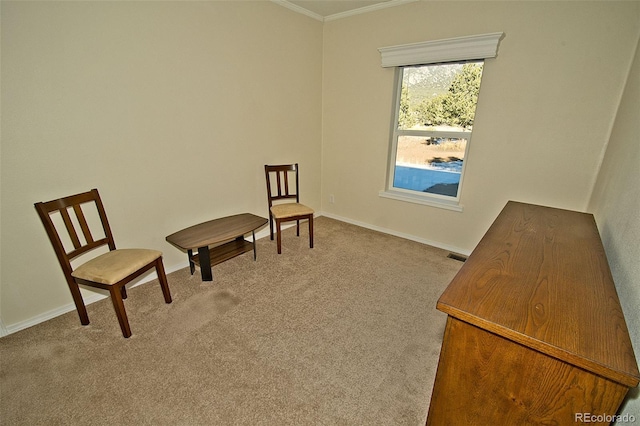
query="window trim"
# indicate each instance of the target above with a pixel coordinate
(426, 198)
(460, 49)
(483, 46)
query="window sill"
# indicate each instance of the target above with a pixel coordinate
(420, 199)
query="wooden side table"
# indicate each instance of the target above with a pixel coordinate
(226, 235)
(535, 333)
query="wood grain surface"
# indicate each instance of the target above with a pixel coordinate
(535, 333)
(540, 277)
(216, 231)
(485, 379)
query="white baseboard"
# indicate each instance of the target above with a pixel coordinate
(94, 297)
(436, 244)
(88, 297)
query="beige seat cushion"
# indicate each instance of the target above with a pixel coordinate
(111, 267)
(283, 211)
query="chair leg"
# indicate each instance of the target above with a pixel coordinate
(297, 228)
(162, 277)
(271, 226)
(118, 305)
(77, 299)
(279, 236)
(311, 231)
(123, 292)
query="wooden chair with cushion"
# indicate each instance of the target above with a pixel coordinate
(111, 270)
(281, 193)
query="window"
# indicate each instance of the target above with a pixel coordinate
(437, 87)
(435, 109)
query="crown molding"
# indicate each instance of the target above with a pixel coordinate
(367, 9)
(359, 11)
(299, 9)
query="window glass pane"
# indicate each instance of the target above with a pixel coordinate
(429, 164)
(439, 97)
(436, 110)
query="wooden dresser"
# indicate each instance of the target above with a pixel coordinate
(535, 333)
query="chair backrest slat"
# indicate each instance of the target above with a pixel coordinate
(83, 223)
(282, 190)
(279, 183)
(71, 229)
(286, 183)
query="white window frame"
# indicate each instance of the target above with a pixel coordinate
(461, 49)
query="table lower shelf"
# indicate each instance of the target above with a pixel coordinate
(225, 251)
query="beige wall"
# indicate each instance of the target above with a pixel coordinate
(546, 107)
(546, 113)
(615, 204)
(171, 109)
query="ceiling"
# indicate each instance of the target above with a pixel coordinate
(324, 10)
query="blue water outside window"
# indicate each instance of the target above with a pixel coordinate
(427, 180)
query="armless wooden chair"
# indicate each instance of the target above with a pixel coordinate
(279, 189)
(111, 270)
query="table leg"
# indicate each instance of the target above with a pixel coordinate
(205, 264)
(253, 233)
(192, 266)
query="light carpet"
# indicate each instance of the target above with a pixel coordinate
(346, 333)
